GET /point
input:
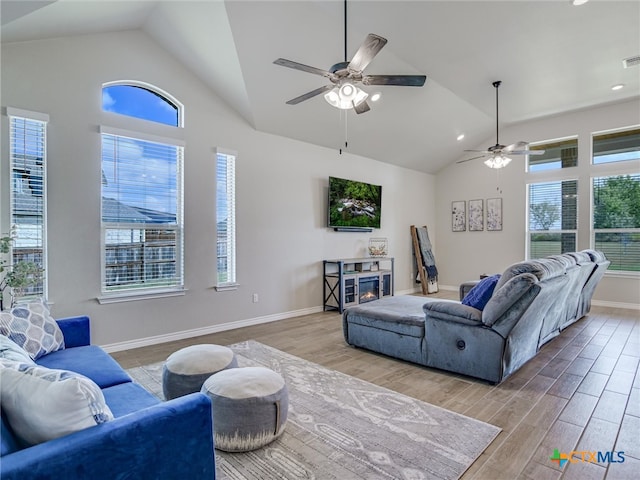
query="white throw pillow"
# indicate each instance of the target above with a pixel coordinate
(42, 404)
(10, 350)
(31, 326)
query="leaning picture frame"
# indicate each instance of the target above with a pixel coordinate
(458, 216)
(494, 214)
(476, 215)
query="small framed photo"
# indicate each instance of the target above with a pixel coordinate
(476, 215)
(494, 214)
(458, 216)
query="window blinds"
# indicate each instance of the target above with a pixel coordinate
(141, 213)
(616, 220)
(553, 220)
(226, 218)
(27, 152)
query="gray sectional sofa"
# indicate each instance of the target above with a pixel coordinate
(532, 302)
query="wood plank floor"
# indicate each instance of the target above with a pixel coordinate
(581, 392)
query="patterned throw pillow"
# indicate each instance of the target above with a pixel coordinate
(10, 350)
(42, 404)
(31, 326)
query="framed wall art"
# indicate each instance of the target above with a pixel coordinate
(476, 215)
(494, 214)
(458, 216)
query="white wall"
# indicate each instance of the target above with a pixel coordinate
(281, 193)
(463, 256)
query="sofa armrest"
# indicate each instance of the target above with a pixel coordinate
(76, 331)
(466, 288)
(172, 439)
(453, 312)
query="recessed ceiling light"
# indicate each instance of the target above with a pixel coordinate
(619, 86)
(376, 96)
(577, 3)
(460, 137)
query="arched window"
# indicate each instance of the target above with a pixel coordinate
(140, 100)
(141, 190)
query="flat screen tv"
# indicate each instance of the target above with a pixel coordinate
(354, 204)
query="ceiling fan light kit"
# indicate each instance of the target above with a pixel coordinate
(499, 161)
(346, 96)
(343, 93)
(497, 158)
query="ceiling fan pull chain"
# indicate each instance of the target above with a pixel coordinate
(346, 130)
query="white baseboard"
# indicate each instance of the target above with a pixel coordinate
(419, 290)
(604, 303)
(196, 332)
(448, 287)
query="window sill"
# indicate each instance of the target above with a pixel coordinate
(225, 287)
(133, 296)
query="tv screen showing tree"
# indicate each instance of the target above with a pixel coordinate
(354, 204)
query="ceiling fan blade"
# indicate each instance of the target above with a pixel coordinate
(305, 68)
(486, 152)
(362, 107)
(522, 148)
(469, 159)
(398, 80)
(525, 152)
(308, 95)
(518, 146)
(369, 49)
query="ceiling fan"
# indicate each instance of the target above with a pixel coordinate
(342, 92)
(498, 153)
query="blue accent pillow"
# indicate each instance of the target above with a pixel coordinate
(479, 296)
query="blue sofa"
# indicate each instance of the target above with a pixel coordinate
(148, 439)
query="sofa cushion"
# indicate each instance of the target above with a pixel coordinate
(41, 404)
(127, 398)
(10, 350)
(479, 295)
(91, 361)
(8, 441)
(507, 296)
(31, 326)
(399, 314)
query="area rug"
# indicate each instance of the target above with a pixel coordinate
(343, 428)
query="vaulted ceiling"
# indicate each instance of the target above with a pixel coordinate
(551, 56)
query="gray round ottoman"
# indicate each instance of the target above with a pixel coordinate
(249, 407)
(186, 370)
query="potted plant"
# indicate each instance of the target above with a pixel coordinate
(15, 278)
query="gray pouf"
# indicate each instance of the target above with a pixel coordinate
(249, 407)
(186, 370)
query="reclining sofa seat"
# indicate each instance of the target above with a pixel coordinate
(601, 265)
(493, 343)
(531, 304)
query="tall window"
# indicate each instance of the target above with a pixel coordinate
(28, 157)
(226, 218)
(142, 204)
(616, 220)
(553, 219)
